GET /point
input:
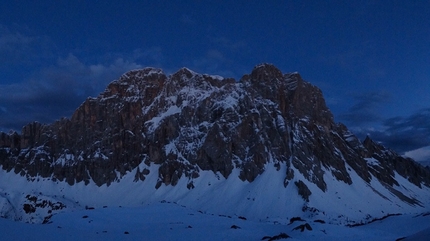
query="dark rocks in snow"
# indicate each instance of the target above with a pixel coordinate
(140, 175)
(188, 122)
(303, 190)
(38, 209)
(42, 206)
(319, 221)
(28, 208)
(302, 227)
(372, 220)
(276, 237)
(47, 219)
(294, 219)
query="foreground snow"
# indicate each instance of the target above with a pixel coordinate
(169, 221)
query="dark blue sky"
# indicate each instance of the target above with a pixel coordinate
(370, 58)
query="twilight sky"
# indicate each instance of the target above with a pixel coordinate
(370, 58)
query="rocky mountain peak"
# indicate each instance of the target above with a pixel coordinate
(136, 85)
(140, 77)
(187, 123)
(266, 72)
(185, 73)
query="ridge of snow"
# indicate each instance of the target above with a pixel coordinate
(215, 77)
(154, 122)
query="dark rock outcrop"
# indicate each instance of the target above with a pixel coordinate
(303, 190)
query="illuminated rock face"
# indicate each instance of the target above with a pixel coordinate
(188, 122)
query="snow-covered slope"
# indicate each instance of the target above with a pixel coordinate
(265, 148)
(264, 199)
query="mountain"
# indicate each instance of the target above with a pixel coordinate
(265, 146)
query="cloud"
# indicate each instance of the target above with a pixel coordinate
(420, 155)
(22, 47)
(38, 85)
(56, 91)
(403, 134)
(9, 41)
(409, 133)
(365, 109)
(419, 121)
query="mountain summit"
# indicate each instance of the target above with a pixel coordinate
(266, 145)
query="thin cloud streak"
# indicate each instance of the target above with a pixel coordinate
(403, 134)
(22, 47)
(420, 155)
(365, 109)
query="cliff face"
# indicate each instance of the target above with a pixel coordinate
(188, 122)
